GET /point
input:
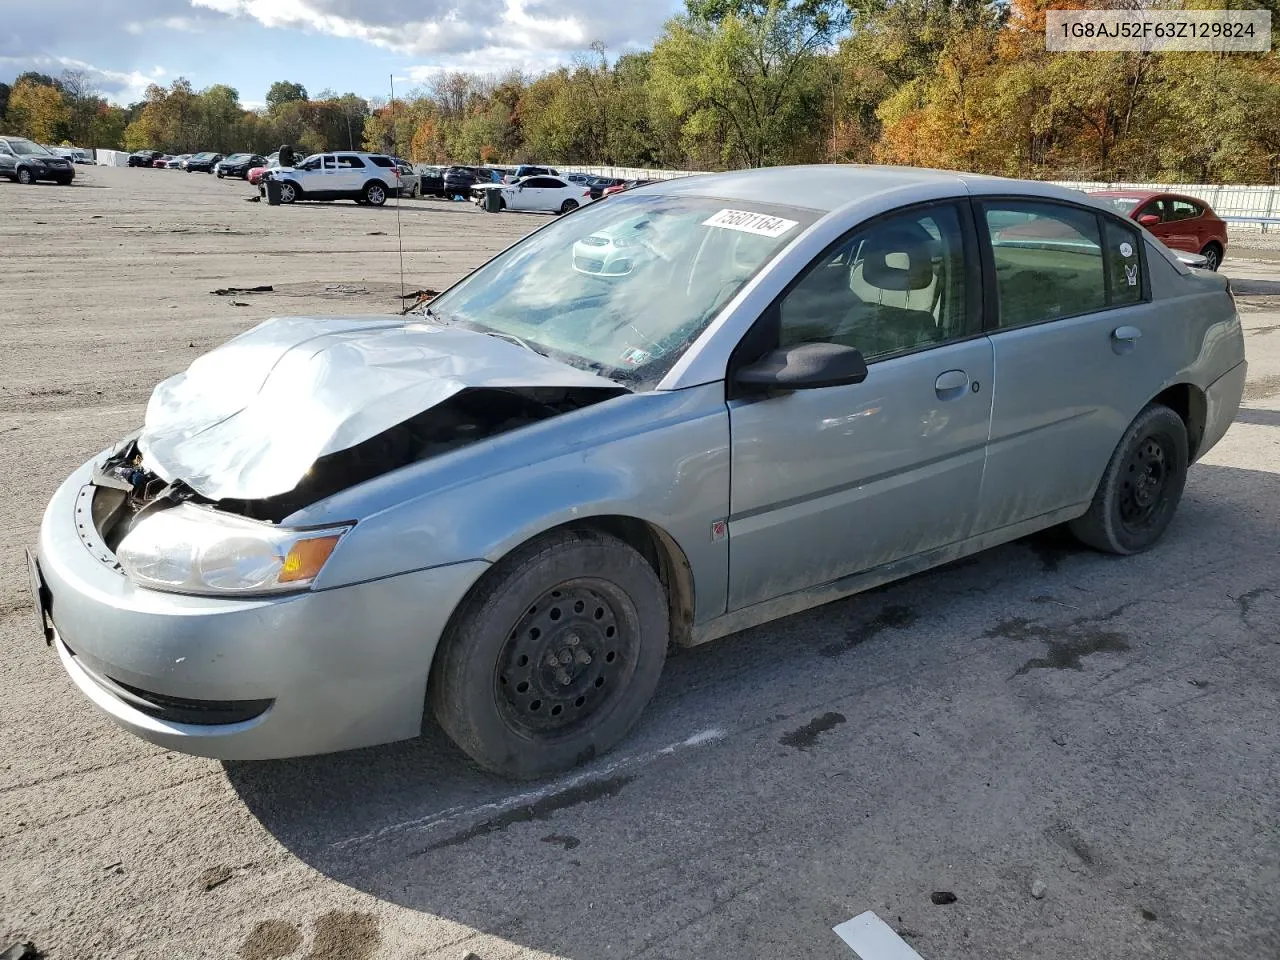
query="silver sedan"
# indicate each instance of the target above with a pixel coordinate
(780, 387)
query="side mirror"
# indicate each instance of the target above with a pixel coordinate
(1149, 220)
(805, 366)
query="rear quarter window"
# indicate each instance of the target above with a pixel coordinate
(381, 161)
(1123, 248)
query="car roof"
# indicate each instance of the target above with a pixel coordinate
(827, 187)
(1136, 194)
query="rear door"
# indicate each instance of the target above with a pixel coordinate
(8, 162)
(833, 481)
(1078, 351)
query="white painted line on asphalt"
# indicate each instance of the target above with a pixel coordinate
(533, 796)
(873, 939)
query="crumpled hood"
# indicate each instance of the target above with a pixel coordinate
(247, 420)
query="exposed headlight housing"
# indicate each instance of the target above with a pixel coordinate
(195, 550)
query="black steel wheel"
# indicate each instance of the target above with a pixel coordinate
(1141, 487)
(553, 655)
(571, 653)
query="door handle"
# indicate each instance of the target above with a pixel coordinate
(1124, 339)
(951, 385)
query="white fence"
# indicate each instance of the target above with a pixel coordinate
(1230, 201)
(111, 158)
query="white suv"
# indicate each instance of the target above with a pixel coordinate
(362, 177)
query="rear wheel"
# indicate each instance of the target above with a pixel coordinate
(552, 658)
(569, 206)
(1141, 487)
(1212, 254)
(375, 194)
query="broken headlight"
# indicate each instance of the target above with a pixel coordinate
(190, 549)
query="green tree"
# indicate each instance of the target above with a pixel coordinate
(747, 75)
(282, 92)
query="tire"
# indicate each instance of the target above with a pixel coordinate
(289, 191)
(569, 206)
(1140, 490)
(24, 177)
(515, 678)
(375, 193)
(1213, 254)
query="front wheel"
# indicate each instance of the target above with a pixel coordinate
(25, 177)
(375, 194)
(288, 192)
(552, 657)
(1141, 487)
(569, 206)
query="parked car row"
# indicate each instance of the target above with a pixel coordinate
(366, 178)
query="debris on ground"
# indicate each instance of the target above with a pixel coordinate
(1038, 889)
(346, 288)
(253, 199)
(213, 878)
(376, 233)
(229, 291)
(417, 299)
(22, 951)
(238, 303)
(941, 898)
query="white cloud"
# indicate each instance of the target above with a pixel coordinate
(496, 28)
(118, 85)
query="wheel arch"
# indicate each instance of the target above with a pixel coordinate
(1189, 402)
(656, 545)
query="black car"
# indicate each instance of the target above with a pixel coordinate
(432, 182)
(144, 158)
(458, 181)
(203, 162)
(239, 165)
(26, 162)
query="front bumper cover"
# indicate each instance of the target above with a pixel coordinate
(316, 672)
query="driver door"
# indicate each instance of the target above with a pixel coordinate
(8, 162)
(833, 481)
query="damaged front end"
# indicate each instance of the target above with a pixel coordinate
(195, 501)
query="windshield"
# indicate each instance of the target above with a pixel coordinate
(25, 148)
(623, 288)
(236, 158)
(1121, 205)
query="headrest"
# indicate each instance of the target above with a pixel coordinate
(899, 257)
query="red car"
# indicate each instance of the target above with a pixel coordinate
(1181, 223)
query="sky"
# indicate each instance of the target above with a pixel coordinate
(342, 45)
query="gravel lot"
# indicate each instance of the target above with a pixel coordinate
(1039, 713)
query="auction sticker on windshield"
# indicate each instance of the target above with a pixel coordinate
(760, 224)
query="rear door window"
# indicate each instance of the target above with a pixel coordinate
(347, 161)
(1048, 261)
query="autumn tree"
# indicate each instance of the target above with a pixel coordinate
(37, 111)
(282, 92)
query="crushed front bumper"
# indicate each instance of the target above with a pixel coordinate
(247, 679)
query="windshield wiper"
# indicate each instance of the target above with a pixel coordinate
(518, 341)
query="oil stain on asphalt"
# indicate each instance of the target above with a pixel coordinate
(344, 936)
(271, 940)
(892, 617)
(538, 810)
(1066, 646)
(803, 738)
